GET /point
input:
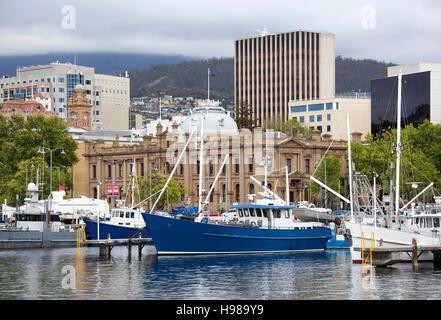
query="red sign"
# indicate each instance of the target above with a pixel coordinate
(115, 190)
(61, 188)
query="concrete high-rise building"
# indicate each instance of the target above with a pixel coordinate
(272, 70)
(109, 95)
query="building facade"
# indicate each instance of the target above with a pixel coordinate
(329, 115)
(109, 95)
(106, 163)
(271, 70)
(421, 96)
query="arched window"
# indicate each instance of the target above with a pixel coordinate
(251, 188)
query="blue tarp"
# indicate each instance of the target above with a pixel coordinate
(186, 211)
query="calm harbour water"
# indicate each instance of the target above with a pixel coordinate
(38, 274)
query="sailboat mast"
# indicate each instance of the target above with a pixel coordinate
(133, 182)
(398, 150)
(201, 165)
(350, 169)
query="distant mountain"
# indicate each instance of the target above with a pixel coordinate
(106, 63)
(189, 78)
(186, 78)
(354, 74)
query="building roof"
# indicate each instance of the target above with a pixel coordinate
(24, 108)
(79, 86)
(216, 120)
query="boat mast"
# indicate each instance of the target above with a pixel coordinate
(133, 182)
(173, 172)
(287, 186)
(398, 147)
(350, 169)
(201, 166)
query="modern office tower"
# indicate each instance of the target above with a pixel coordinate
(109, 95)
(421, 96)
(272, 70)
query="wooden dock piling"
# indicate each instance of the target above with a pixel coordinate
(106, 245)
(414, 254)
(139, 246)
(129, 247)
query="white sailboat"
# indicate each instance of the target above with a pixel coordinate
(397, 226)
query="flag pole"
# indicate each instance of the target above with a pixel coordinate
(208, 77)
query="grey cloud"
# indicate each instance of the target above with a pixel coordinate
(405, 31)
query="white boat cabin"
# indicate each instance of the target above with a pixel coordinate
(422, 223)
(267, 216)
(127, 217)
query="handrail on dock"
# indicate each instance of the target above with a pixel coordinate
(81, 239)
(363, 248)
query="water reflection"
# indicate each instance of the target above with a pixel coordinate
(37, 274)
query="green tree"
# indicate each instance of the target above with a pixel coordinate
(20, 141)
(243, 116)
(292, 127)
(173, 194)
(418, 159)
(333, 175)
(296, 129)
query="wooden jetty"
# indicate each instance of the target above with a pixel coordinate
(388, 255)
(106, 245)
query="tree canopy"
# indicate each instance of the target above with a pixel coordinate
(173, 194)
(291, 127)
(420, 157)
(20, 141)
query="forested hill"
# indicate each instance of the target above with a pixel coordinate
(189, 78)
(353, 74)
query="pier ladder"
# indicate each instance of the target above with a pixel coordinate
(363, 249)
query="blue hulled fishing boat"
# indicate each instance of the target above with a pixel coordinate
(123, 221)
(254, 229)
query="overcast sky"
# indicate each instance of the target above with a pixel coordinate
(405, 31)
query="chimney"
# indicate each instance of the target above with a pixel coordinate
(316, 135)
(356, 136)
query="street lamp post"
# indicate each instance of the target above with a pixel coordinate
(41, 150)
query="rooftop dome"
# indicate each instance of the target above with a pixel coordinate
(79, 86)
(216, 120)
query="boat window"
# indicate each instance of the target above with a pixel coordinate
(429, 223)
(121, 214)
(245, 211)
(132, 215)
(436, 222)
(276, 213)
(240, 212)
(286, 214)
(259, 212)
(265, 213)
(253, 212)
(55, 217)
